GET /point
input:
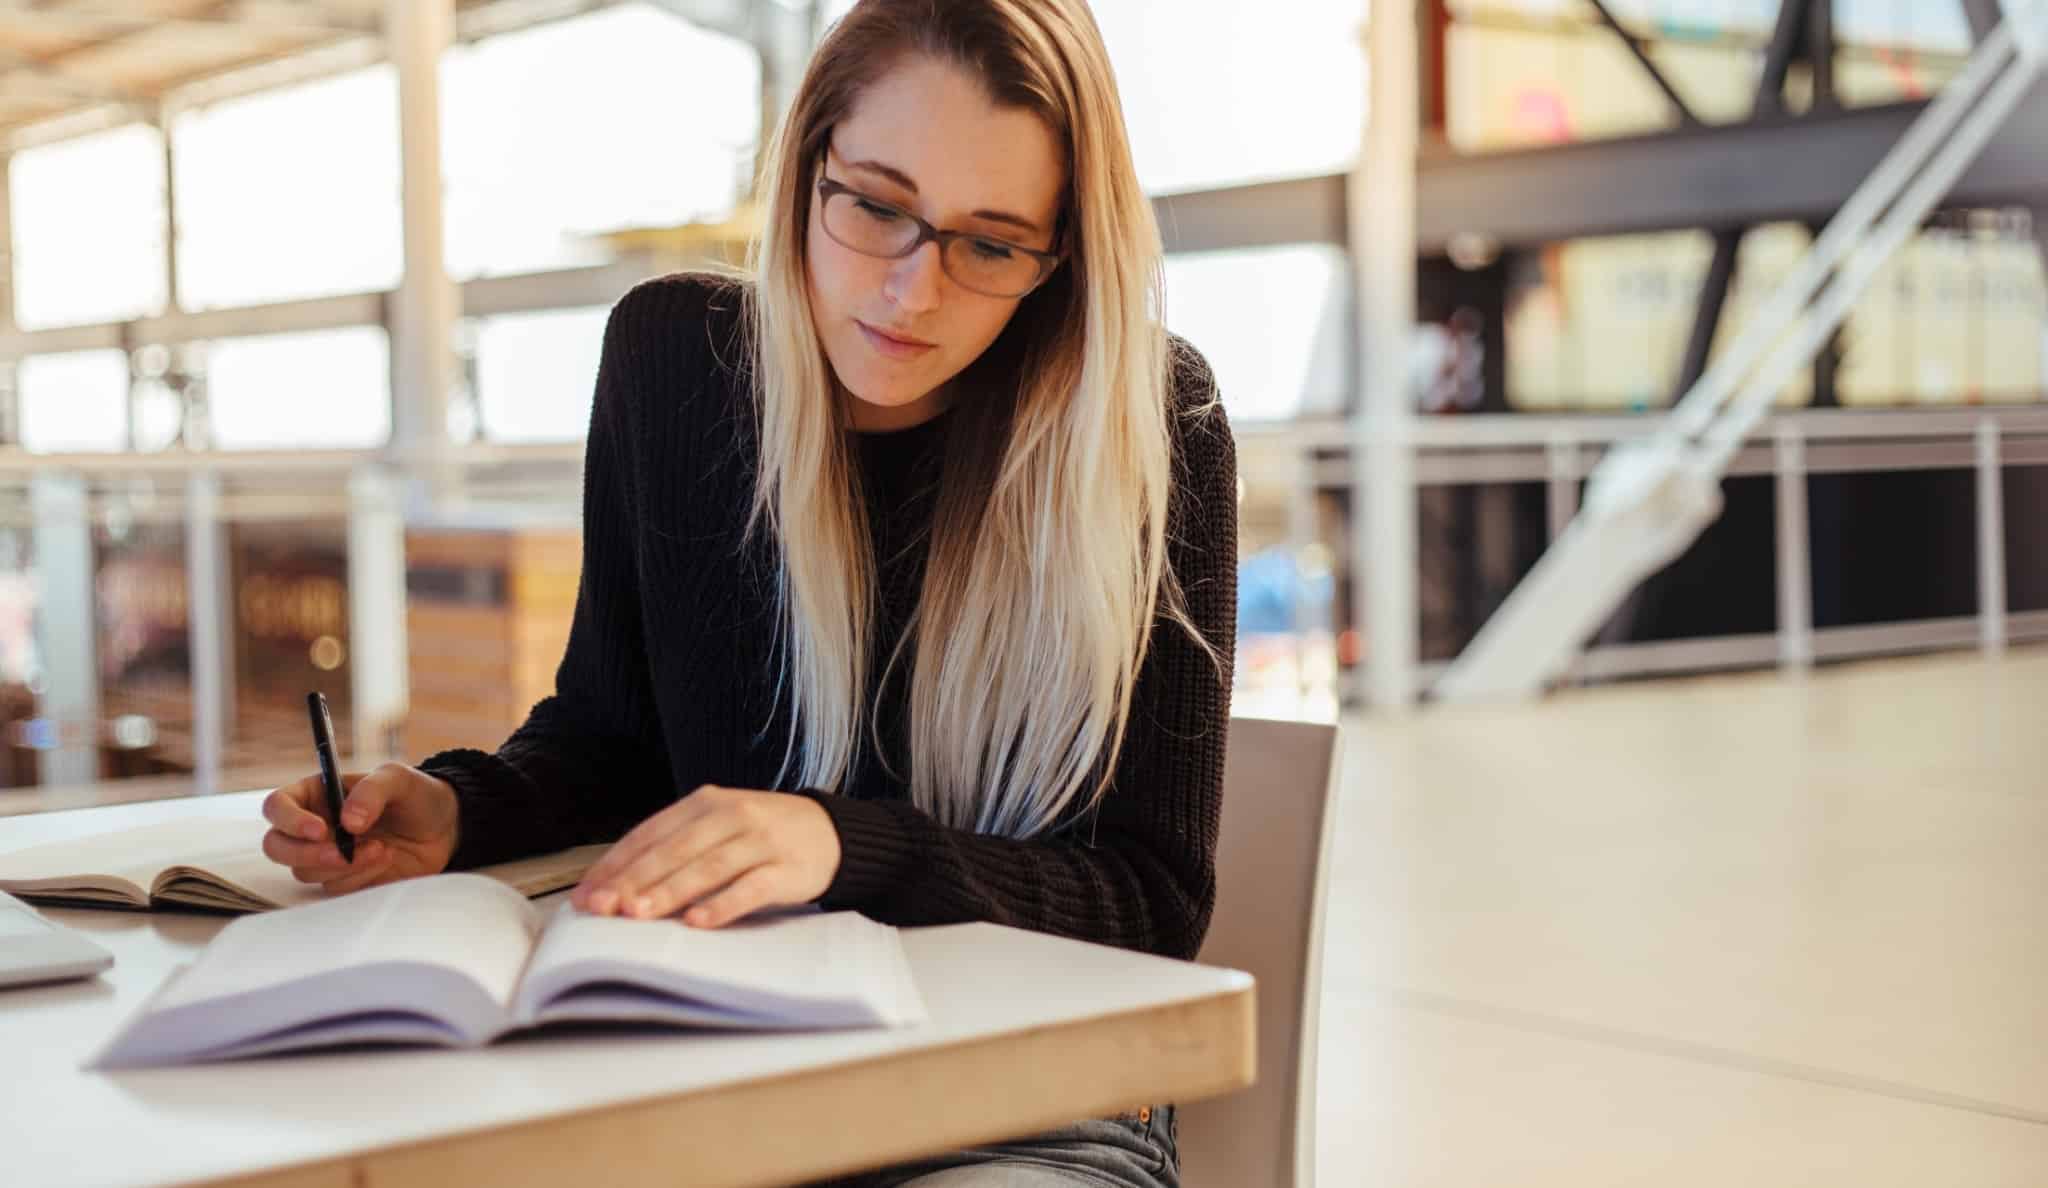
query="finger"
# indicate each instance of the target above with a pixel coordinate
(365, 801)
(697, 878)
(327, 863)
(290, 851)
(641, 837)
(287, 810)
(635, 844)
(374, 872)
(758, 888)
(686, 845)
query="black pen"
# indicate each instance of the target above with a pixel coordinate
(330, 775)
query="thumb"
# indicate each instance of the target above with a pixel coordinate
(365, 803)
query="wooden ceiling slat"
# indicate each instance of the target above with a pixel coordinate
(67, 57)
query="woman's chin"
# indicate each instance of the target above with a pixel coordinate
(884, 397)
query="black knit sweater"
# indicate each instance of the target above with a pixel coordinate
(668, 681)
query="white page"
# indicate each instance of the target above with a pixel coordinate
(474, 925)
(424, 960)
(803, 968)
(135, 854)
(238, 860)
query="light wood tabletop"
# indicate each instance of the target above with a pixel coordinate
(1027, 1032)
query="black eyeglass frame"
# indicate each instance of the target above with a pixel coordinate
(1048, 262)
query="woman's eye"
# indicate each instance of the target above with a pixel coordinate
(877, 211)
(989, 249)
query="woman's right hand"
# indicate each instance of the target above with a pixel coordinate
(403, 821)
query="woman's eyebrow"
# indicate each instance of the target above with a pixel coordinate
(903, 179)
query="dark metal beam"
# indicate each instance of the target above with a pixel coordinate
(1983, 16)
(1265, 214)
(2039, 215)
(1820, 54)
(1793, 16)
(1706, 323)
(1643, 59)
(1780, 169)
(1785, 41)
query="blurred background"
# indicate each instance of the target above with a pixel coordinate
(304, 301)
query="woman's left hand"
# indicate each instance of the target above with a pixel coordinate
(720, 852)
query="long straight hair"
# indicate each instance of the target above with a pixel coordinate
(1047, 555)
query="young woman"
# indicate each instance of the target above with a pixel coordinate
(909, 572)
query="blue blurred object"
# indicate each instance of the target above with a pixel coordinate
(1270, 592)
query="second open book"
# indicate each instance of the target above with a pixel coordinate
(458, 960)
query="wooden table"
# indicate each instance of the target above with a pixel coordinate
(1028, 1031)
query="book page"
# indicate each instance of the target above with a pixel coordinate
(246, 880)
(218, 862)
(803, 968)
(467, 923)
(128, 856)
(431, 960)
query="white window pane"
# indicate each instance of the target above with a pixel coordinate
(536, 372)
(1228, 91)
(624, 118)
(322, 390)
(1274, 323)
(291, 193)
(89, 228)
(74, 401)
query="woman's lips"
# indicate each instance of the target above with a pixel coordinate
(894, 348)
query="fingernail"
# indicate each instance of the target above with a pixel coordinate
(310, 830)
(353, 818)
(643, 907)
(604, 901)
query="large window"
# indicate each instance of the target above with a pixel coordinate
(89, 228)
(329, 389)
(291, 193)
(624, 118)
(536, 374)
(1274, 323)
(74, 401)
(1228, 91)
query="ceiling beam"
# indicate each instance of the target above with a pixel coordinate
(298, 20)
(63, 83)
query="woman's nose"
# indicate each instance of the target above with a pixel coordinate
(915, 280)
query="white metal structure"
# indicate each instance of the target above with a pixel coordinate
(1651, 498)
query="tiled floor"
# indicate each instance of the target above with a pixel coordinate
(1740, 930)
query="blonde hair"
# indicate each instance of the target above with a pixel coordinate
(1047, 562)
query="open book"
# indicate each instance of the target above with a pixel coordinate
(458, 960)
(212, 862)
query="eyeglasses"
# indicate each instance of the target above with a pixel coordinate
(991, 267)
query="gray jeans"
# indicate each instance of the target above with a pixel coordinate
(1137, 1150)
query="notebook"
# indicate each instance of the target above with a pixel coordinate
(459, 960)
(212, 862)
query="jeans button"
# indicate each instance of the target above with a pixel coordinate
(1145, 1114)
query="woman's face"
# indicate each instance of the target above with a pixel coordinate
(925, 138)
